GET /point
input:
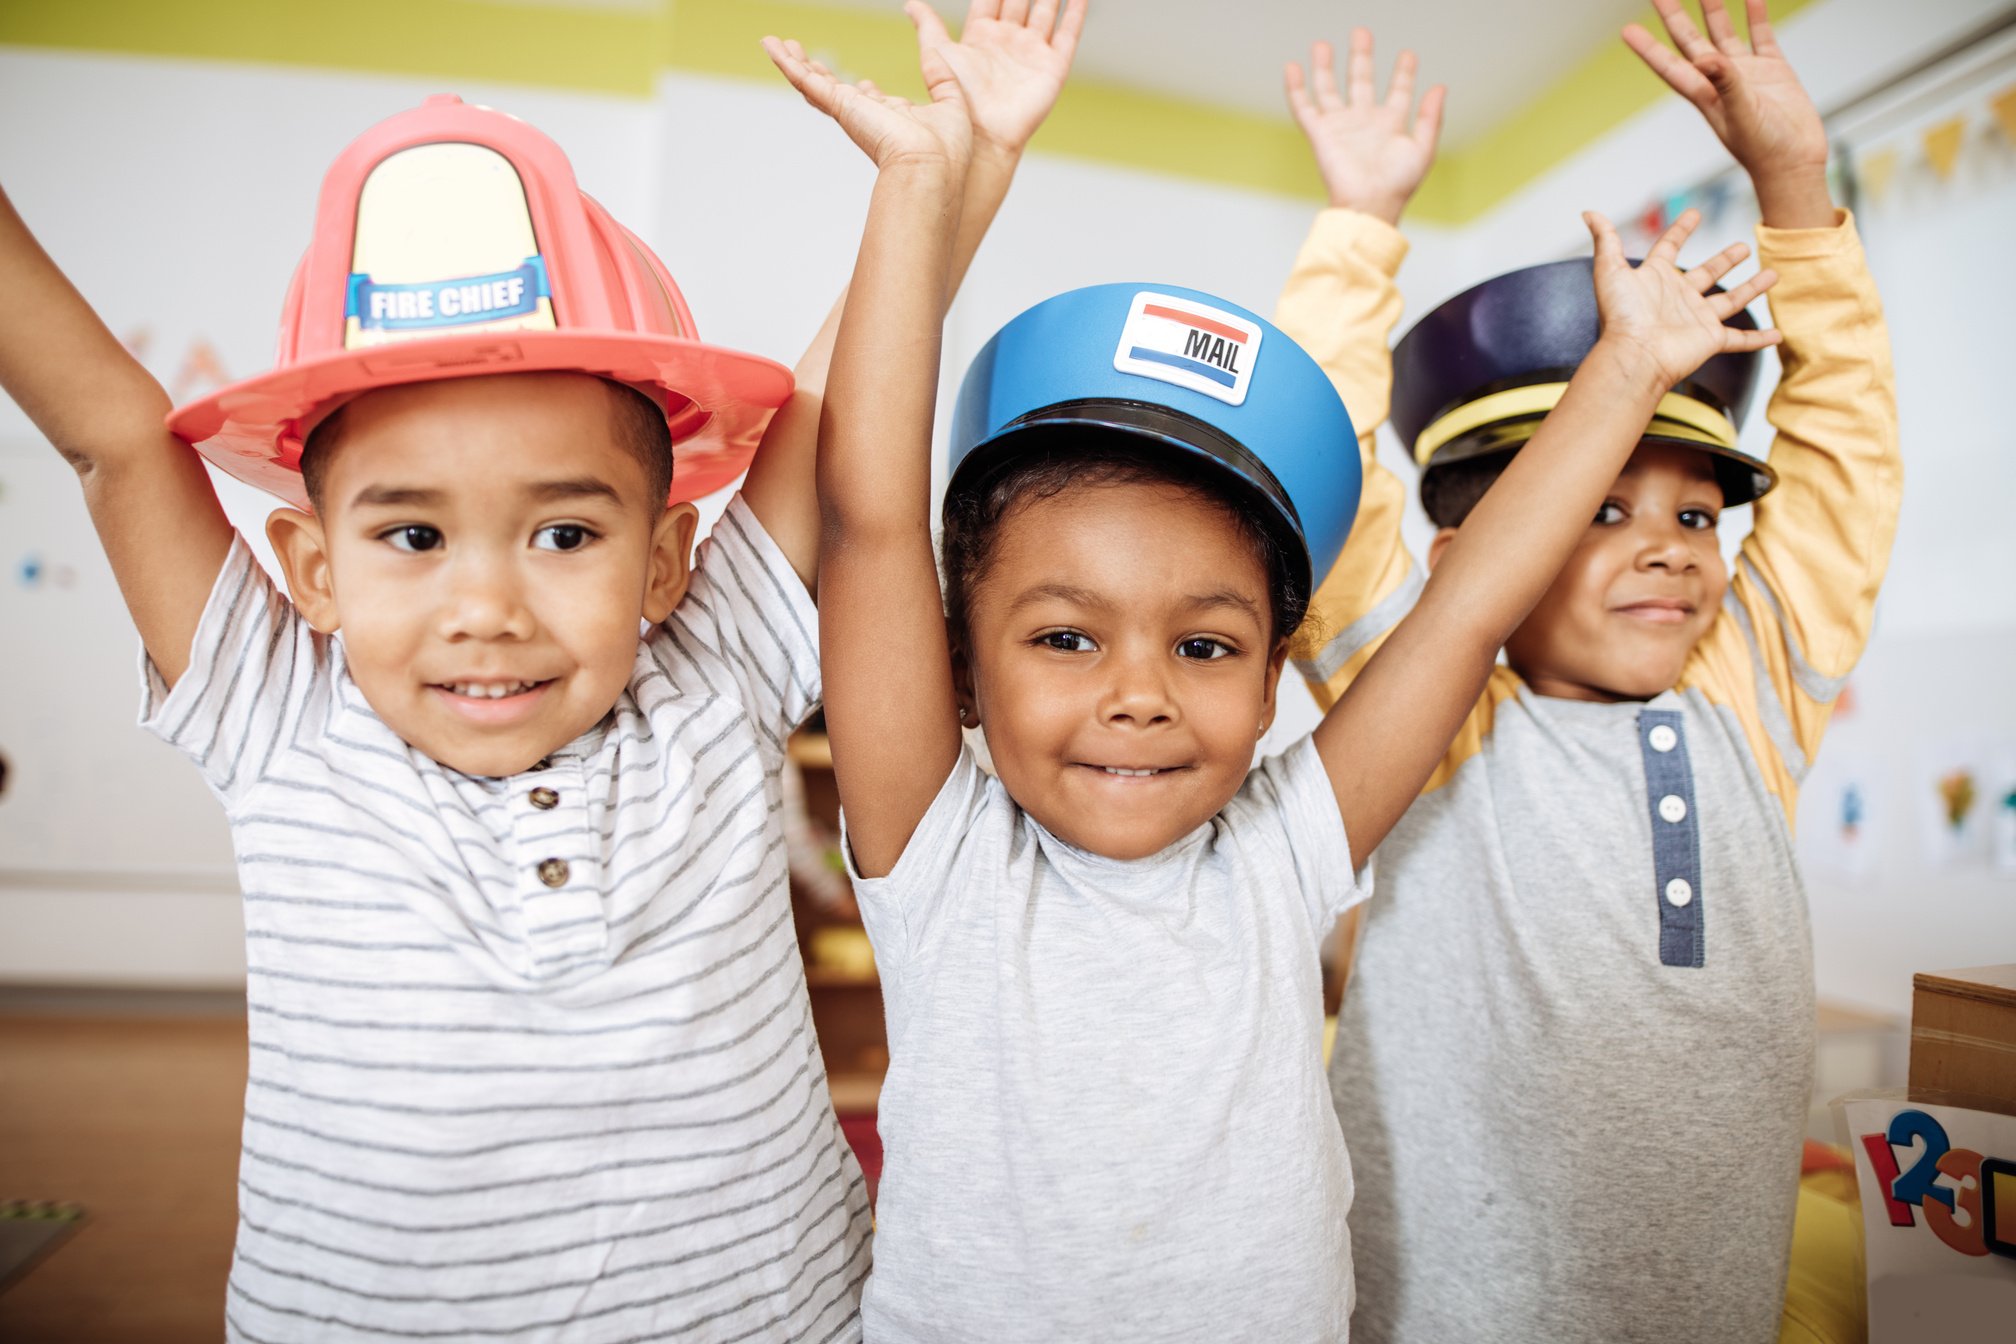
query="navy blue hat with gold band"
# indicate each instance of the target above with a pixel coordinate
(1478, 374)
(1180, 370)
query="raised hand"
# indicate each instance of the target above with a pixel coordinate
(1664, 321)
(1752, 100)
(887, 128)
(1370, 158)
(1010, 59)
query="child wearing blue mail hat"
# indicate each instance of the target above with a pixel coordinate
(1574, 1054)
(531, 1055)
(1105, 1116)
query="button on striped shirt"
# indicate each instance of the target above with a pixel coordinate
(531, 1058)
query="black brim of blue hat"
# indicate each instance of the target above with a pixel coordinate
(1477, 375)
(1175, 370)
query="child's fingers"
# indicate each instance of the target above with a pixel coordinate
(1667, 249)
(1681, 29)
(1681, 77)
(1400, 89)
(1741, 297)
(1015, 12)
(1300, 105)
(1720, 30)
(1609, 251)
(1710, 272)
(1735, 340)
(1360, 71)
(1428, 125)
(930, 28)
(1762, 40)
(1043, 17)
(941, 80)
(1069, 26)
(983, 9)
(791, 63)
(1323, 75)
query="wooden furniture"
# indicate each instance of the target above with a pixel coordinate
(1963, 1034)
(839, 968)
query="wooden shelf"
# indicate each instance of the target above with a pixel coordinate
(810, 751)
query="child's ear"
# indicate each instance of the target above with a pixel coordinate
(303, 548)
(1443, 536)
(962, 686)
(1268, 702)
(671, 561)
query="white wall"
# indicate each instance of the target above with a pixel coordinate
(177, 194)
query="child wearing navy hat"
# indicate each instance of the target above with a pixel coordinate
(1105, 1116)
(1574, 1057)
(531, 1053)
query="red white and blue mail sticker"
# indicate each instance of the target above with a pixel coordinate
(1190, 344)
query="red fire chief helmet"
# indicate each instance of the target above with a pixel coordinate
(451, 241)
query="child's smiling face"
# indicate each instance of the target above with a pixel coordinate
(1640, 590)
(487, 547)
(1122, 628)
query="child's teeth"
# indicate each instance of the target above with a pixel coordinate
(476, 691)
(1116, 770)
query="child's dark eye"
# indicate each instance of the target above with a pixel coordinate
(1066, 641)
(1697, 520)
(1200, 647)
(1610, 514)
(562, 537)
(413, 538)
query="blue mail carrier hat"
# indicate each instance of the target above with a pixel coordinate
(1182, 370)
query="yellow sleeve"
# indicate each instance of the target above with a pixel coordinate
(1803, 590)
(1341, 304)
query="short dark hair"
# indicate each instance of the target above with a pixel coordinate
(1067, 457)
(1449, 490)
(638, 423)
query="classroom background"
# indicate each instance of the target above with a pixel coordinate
(169, 156)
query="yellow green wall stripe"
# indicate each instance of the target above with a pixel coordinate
(619, 50)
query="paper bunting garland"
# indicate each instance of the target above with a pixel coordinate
(2003, 105)
(1942, 145)
(1875, 170)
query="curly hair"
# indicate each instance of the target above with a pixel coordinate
(1070, 457)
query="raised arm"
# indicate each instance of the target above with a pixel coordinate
(1340, 304)
(882, 644)
(1381, 740)
(1810, 569)
(1011, 61)
(150, 498)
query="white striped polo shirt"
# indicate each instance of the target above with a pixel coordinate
(485, 1107)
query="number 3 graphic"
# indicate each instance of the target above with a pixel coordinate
(1964, 1166)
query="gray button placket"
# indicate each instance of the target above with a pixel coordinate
(1676, 836)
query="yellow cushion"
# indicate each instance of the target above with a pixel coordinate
(1824, 1301)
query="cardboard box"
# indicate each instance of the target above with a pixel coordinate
(1963, 1034)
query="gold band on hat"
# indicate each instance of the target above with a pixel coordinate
(1677, 416)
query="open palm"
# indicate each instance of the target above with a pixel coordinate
(1011, 60)
(1666, 318)
(1372, 152)
(887, 128)
(1748, 94)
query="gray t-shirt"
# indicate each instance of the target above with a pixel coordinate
(1105, 1115)
(1570, 1129)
